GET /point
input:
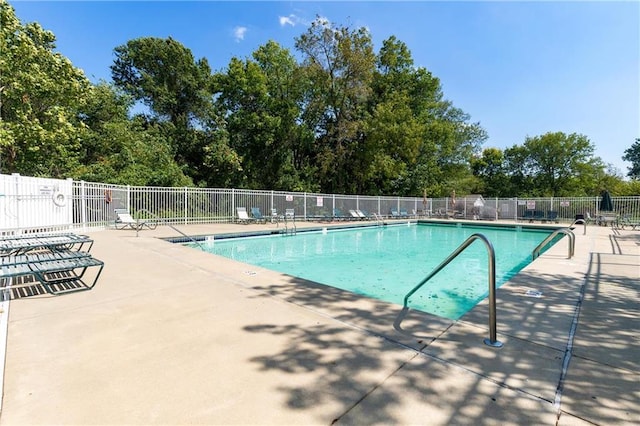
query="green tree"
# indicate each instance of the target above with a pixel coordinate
(392, 144)
(338, 64)
(554, 164)
(40, 95)
(123, 151)
(261, 98)
(490, 169)
(520, 178)
(632, 155)
(434, 151)
(163, 74)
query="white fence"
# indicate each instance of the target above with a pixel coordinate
(30, 204)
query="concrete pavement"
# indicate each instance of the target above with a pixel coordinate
(171, 335)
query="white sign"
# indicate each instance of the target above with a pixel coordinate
(45, 189)
(289, 197)
(319, 201)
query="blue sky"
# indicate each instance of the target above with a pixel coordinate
(519, 68)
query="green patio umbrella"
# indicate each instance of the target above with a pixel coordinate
(606, 204)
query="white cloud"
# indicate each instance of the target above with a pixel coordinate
(287, 20)
(239, 32)
(292, 20)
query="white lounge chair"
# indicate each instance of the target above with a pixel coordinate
(124, 220)
(243, 216)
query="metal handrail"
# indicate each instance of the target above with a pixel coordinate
(566, 231)
(290, 214)
(155, 216)
(580, 221)
(491, 341)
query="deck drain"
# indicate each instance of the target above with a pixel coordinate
(533, 293)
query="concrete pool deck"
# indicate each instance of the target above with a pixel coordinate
(171, 335)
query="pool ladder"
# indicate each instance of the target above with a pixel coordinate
(378, 218)
(290, 216)
(566, 231)
(491, 341)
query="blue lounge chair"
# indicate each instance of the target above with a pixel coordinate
(55, 261)
(552, 216)
(257, 215)
(394, 213)
(338, 215)
(528, 215)
(62, 272)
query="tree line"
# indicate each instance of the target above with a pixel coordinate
(342, 118)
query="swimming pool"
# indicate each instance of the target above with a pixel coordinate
(387, 262)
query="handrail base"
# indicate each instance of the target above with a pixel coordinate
(493, 343)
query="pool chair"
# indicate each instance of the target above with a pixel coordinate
(403, 213)
(552, 216)
(394, 213)
(275, 216)
(338, 215)
(257, 215)
(363, 215)
(589, 218)
(627, 221)
(354, 215)
(538, 215)
(243, 216)
(124, 220)
(528, 215)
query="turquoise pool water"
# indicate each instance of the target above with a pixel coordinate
(387, 262)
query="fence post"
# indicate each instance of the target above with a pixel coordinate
(16, 179)
(83, 203)
(186, 198)
(233, 203)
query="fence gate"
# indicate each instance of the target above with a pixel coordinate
(35, 204)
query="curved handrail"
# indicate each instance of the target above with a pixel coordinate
(580, 221)
(566, 231)
(491, 341)
(155, 216)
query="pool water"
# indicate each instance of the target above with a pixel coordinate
(387, 262)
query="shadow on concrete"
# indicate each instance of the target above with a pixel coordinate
(603, 376)
(380, 374)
